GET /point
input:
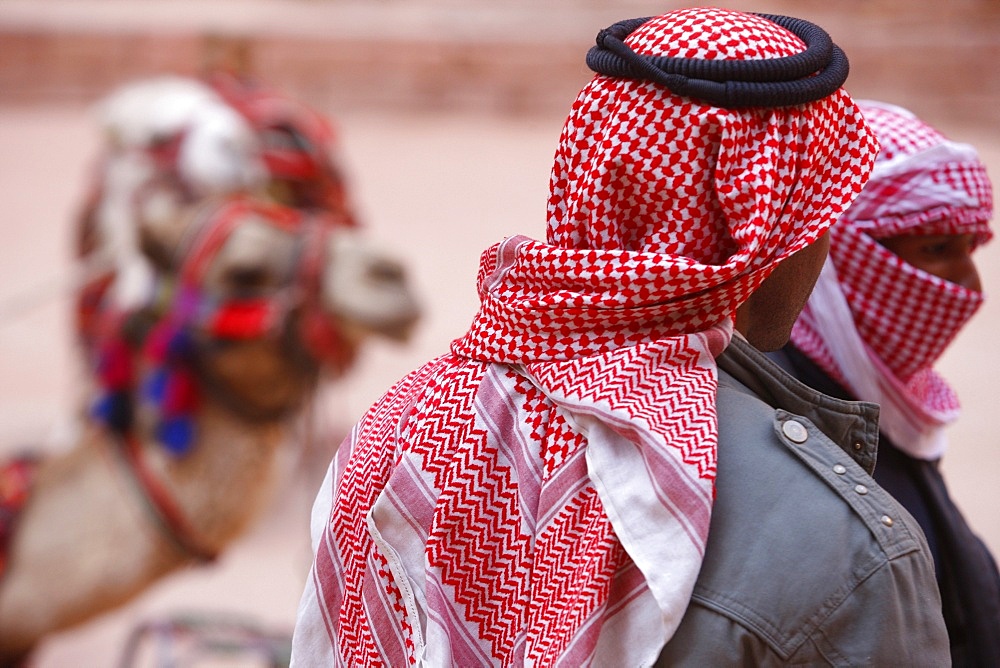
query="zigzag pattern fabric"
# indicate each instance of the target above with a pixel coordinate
(896, 320)
(542, 495)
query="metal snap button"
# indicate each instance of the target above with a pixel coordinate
(861, 489)
(794, 431)
(839, 469)
(886, 520)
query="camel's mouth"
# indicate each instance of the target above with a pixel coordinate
(397, 327)
(400, 331)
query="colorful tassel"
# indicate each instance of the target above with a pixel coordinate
(176, 434)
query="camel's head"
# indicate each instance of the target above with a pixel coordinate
(270, 297)
(223, 200)
(172, 142)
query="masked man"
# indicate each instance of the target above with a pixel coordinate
(899, 285)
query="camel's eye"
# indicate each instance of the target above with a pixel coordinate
(246, 279)
(386, 272)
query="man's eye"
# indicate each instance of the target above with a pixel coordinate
(935, 249)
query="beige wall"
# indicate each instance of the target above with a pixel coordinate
(520, 57)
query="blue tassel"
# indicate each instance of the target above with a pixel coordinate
(155, 387)
(101, 410)
(180, 345)
(177, 435)
(115, 410)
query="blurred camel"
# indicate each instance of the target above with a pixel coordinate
(196, 402)
(220, 296)
(171, 142)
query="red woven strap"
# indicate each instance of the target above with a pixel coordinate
(160, 503)
(16, 478)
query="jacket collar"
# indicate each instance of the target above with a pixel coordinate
(852, 425)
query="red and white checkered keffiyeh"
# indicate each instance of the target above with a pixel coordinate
(542, 495)
(876, 323)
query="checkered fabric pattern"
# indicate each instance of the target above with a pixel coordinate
(903, 317)
(542, 495)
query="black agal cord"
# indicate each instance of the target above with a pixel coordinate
(772, 82)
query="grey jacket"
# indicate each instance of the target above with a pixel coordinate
(808, 561)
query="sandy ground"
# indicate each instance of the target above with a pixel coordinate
(438, 189)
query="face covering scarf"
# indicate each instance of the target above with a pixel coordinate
(877, 324)
(542, 495)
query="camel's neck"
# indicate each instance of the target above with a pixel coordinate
(84, 502)
(222, 483)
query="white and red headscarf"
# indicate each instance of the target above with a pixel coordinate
(876, 323)
(542, 495)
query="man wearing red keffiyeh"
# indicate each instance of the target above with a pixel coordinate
(600, 472)
(900, 284)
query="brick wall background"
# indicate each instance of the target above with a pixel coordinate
(515, 57)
